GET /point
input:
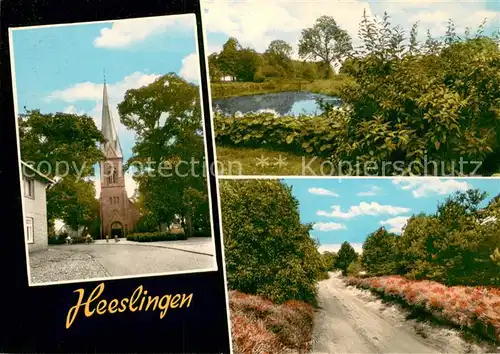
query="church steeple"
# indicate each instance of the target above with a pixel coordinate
(112, 144)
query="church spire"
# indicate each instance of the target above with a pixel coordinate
(107, 128)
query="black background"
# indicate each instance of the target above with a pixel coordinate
(33, 318)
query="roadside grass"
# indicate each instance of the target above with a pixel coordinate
(260, 326)
(329, 87)
(475, 309)
(243, 161)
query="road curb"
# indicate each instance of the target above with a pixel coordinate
(157, 246)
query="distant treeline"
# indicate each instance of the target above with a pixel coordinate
(457, 245)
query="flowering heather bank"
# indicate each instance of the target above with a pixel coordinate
(476, 308)
(262, 327)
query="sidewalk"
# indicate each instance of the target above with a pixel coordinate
(202, 245)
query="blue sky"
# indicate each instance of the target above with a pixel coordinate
(256, 22)
(350, 209)
(60, 68)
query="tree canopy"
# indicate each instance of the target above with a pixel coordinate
(65, 147)
(168, 155)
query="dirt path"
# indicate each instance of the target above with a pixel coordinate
(354, 321)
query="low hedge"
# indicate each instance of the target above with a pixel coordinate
(311, 135)
(56, 240)
(156, 236)
(60, 240)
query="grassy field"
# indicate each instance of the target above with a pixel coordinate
(233, 89)
(233, 161)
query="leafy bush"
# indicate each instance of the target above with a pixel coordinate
(303, 135)
(354, 268)
(329, 260)
(78, 239)
(428, 105)
(268, 251)
(146, 223)
(156, 236)
(56, 239)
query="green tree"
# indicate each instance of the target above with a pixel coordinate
(60, 144)
(213, 68)
(330, 260)
(228, 57)
(248, 62)
(379, 257)
(325, 41)
(268, 251)
(279, 55)
(65, 147)
(345, 256)
(166, 118)
(78, 204)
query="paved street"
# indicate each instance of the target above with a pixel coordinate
(101, 260)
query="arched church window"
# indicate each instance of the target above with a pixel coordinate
(110, 200)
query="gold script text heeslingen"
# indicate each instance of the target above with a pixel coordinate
(138, 301)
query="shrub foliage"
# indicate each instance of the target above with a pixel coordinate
(156, 236)
(305, 135)
(268, 251)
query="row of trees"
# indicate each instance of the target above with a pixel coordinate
(459, 244)
(320, 46)
(72, 141)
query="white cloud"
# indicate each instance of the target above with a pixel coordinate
(123, 33)
(363, 208)
(335, 247)
(322, 191)
(328, 226)
(256, 22)
(395, 224)
(423, 187)
(91, 91)
(190, 69)
(73, 110)
(373, 190)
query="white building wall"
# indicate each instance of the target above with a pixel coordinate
(36, 208)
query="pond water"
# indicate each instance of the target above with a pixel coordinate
(284, 103)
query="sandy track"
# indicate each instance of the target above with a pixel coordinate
(354, 321)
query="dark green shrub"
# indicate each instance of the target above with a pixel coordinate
(268, 251)
(429, 105)
(57, 239)
(146, 223)
(304, 135)
(156, 236)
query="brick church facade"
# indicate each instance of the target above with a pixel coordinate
(118, 213)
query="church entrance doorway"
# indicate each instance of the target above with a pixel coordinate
(117, 229)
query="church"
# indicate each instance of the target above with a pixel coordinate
(118, 213)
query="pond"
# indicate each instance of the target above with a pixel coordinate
(284, 103)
